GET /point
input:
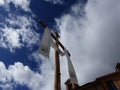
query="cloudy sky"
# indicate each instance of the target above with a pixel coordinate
(89, 30)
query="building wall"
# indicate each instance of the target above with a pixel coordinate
(91, 86)
(107, 82)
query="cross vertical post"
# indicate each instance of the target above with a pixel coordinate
(57, 82)
(57, 79)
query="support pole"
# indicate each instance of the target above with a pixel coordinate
(57, 78)
(57, 82)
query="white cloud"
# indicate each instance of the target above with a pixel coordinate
(23, 75)
(24, 4)
(55, 1)
(13, 38)
(92, 38)
(5, 78)
(93, 41)
(47, 69)
(1, 2)
(6, 87)
(17, 30)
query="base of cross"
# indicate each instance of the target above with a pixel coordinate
(70, 85)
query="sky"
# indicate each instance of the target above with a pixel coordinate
(89, 29)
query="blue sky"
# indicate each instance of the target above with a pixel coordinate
(21, 33)
(88, 29)
(41, 9)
